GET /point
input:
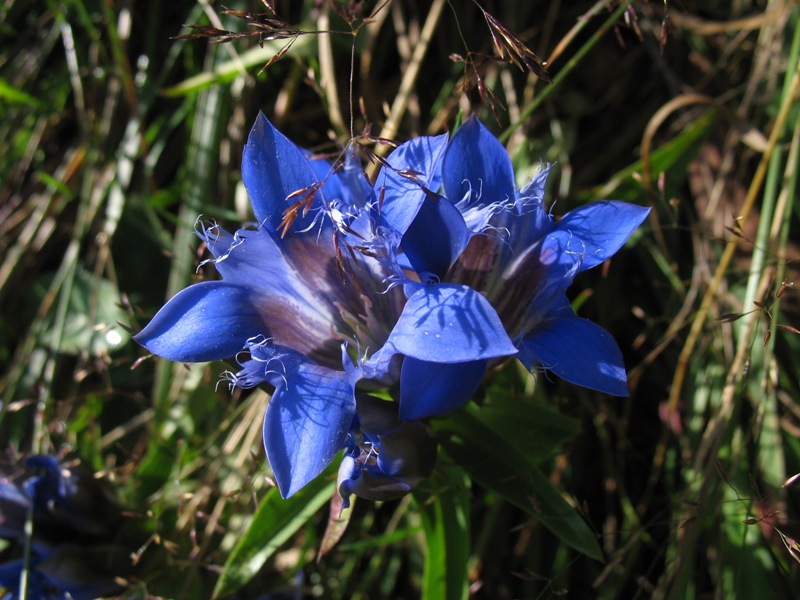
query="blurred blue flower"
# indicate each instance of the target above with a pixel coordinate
(347, 285)
(74, 524)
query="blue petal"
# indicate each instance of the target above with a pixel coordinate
(355, 186)
(268, 363)
(308, 419)
(400, 196)
(436, 237)
(272, 169)
(596, 231)
(345, 183)
(369, 483)
(297, 288)
(428, 388)
(579, 351)
(476, 163)
(294, 270)
(323, 170)
(10, 572)
(449, 323)
(206, 321)
(532, 220)
(376, 417)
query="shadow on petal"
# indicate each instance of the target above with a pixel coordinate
(579, 351)
(429, 388)
(306, 424)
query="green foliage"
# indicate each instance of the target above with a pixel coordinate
(445, 520)
(116, 135)
(273, 524)
(486, 450)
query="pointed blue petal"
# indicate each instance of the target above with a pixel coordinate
(476, 163)
(436, 238)
(308, 419)
(206, 321)
(289, 281)
(428, 389)
(272, 169)
(401, 195)
(579, 351)
(596, 231)
(346, 184)
(449, 323)
(531, 221)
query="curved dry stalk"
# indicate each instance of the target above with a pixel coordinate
(705, 27)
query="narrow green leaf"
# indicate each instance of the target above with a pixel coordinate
(672, 158)
(379, 542)
(13, 95)
(490, 458)
(229, 70)
(536, 430)
(273, 524)
(445, 521)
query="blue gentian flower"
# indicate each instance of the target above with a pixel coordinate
(345, 286)
(484, 235)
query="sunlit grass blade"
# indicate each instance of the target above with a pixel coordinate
(14, 95)
(445, 513)
(273, 524)
(228, 70)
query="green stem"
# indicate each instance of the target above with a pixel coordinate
(564, 73)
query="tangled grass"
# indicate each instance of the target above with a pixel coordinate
(120, 127)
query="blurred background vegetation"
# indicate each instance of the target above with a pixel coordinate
(115, 136)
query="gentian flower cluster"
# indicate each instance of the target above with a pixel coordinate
(416, 283)
(73, 554)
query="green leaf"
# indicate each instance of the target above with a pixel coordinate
(273, 524)
(228, 71)
(536, 430)
(92, 319)
(14, 95)
(491, 459)
(748, 564)
(445, 521)
(672, 159)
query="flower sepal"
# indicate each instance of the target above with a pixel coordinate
(386, 457)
